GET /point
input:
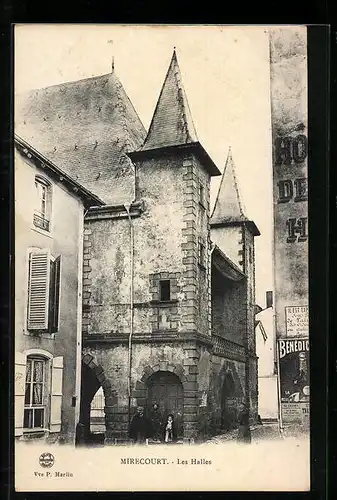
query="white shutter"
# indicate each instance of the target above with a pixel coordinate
(38, 290)
(19, 392)
(56, 394)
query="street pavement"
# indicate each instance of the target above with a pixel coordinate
(268, 431)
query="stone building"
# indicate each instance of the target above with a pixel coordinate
(49, 216)
(234, 298)
(168, 290)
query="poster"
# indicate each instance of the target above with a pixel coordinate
(294, 365)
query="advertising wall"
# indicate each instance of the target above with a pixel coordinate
(293, 358)
(288, 61)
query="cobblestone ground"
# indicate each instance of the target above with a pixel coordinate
(260, 433)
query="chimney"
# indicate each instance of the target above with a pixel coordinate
(269, 299)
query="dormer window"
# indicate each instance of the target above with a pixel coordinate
(42, 208)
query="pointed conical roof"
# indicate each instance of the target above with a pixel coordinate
(228, 206)
(172, 123)
(172, 127)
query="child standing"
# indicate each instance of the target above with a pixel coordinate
(169, 429)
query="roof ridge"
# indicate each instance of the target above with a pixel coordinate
(71, 82)
(180, 87)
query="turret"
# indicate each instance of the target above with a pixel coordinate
(173, 173)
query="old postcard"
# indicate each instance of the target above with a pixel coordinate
(161, 255)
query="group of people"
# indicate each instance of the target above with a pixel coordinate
(143, 428)
(164, 430)
(155, 427)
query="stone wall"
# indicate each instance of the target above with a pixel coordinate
(229, 308)
(179, 358)
(222, 367)
(229, 240)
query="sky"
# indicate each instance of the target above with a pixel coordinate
(226, 75)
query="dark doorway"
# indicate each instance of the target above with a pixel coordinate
(228, 404)
(165, 389)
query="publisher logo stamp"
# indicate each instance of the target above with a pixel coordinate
(46, 460)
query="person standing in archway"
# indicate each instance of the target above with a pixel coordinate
(140, 428)
(80, 434)
(244, 433)
(156, 422)
(170, 429)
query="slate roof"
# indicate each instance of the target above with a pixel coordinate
(172, 128)
(54, 171)
(226, 266)
(172, 122)
(228, 208)
(85, 127)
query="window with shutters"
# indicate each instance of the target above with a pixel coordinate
(36, 395)
(42, 209)
(43, 292)
(38, 392)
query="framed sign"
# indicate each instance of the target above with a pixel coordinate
(297, 321)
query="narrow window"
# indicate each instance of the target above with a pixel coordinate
(165, 292)
(34, 411)
(202, 254)
(201, 194)
(42, 208)
(250, 255)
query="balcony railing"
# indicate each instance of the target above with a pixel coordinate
(41, 222)
(228, 348)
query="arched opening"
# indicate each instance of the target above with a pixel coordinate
(229, 404)
(92, 397)
(97, 415)
(165, 389)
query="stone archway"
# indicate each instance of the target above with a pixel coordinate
(93, 377)
(164, 383)
(166, 390)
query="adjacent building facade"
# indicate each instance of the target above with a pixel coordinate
(49, 211)
(168, 289)
(267, 373)
(289, 113)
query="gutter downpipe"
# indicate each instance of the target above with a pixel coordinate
(279, 396)
(247, 353)
(127, 208)
(213, 245)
